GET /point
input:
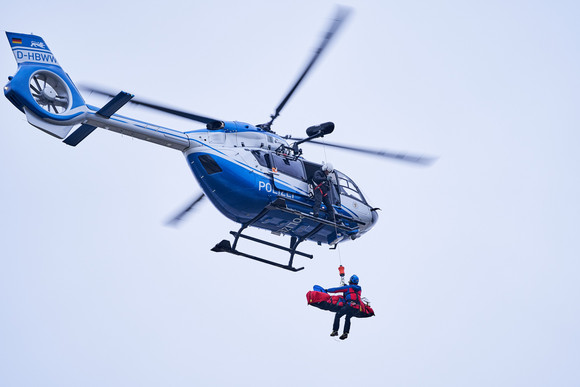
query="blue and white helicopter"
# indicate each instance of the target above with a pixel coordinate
(251, 175)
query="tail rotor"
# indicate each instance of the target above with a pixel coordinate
(50, 92)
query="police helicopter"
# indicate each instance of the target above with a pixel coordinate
(252, 175)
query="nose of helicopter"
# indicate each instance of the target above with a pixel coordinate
(375, 216)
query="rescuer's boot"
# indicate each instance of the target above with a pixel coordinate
(334, 333)
(343, 336)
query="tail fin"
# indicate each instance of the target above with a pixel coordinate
(41, 88)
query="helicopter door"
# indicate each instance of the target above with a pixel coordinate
(310, 168)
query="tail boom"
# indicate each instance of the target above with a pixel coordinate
(43, 91)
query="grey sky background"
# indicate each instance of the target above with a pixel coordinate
(472, 269)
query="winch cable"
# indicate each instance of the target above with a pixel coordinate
(340, 267)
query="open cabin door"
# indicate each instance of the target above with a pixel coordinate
(310, 168)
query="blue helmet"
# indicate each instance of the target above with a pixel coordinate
(353, 279)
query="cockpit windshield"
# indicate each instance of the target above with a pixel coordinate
(349, 188)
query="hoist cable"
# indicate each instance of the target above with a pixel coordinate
(335, 217)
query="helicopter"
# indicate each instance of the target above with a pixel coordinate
(252, 175)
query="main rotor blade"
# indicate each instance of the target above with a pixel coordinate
(165, 109)
(341, 15)
(423, 160)
(179, 217)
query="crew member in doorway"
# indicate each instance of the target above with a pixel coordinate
(322, 190)
(351, 295)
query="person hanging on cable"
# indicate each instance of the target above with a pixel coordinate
(352, 298)
(322, 190)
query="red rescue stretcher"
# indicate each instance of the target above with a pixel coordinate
(322, 300)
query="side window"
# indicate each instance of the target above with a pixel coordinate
(263, 158)
(209, 164)
(289, 167)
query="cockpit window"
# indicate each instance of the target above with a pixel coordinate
(349, 188)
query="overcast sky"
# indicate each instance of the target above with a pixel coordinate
(472, 269)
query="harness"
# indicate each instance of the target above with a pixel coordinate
(355, 297)
(320, 189)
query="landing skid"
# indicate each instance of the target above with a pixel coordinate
(226, 247)
(278, 204)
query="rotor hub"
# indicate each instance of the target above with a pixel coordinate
(49, 93)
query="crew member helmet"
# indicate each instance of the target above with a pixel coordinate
(353, 279)
(328, 168)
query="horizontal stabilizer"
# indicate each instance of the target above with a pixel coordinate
(79, 135)
(106, 111)
(115, 104)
